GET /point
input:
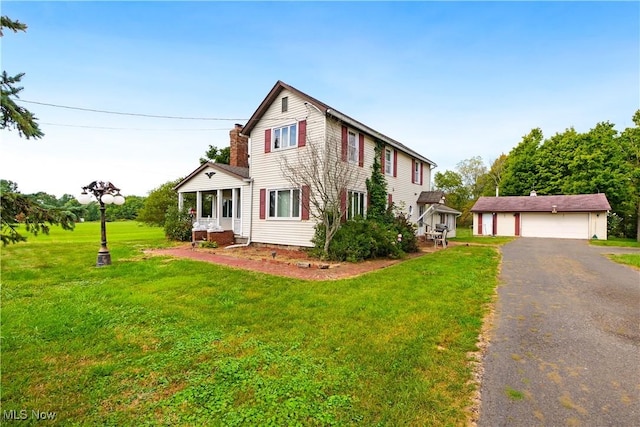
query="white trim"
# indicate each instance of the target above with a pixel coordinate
(283, 218)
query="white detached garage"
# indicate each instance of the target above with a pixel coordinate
(581, 216)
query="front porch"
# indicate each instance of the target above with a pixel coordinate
(215, 211)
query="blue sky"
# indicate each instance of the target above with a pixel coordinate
(452, 80)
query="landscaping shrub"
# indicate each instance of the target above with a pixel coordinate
(177, 224)
(407, 229)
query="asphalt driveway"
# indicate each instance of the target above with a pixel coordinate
(565, 347)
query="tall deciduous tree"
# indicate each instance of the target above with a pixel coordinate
(217, 155)
(157, 204)
(320, 168)
(13, 115)
(472, 171)
(521, 171)
(492, 181)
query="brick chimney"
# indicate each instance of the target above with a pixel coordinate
(239, 144)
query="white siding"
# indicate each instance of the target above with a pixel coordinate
(266, 172)
(404, 192)
(598, 225)
(201, 182)
(506, 224)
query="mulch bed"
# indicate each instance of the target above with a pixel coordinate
(285, 262)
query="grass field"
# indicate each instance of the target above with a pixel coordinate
(152, 340)
(464, 234)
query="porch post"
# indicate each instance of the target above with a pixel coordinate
(180, 201)
(234, 202)
(219, 206)
(198, 205)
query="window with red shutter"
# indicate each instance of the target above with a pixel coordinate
(305, 202)
(302, 133)
(344, 143)
(395, 163)
(263, 201)
(413, 173)
(267, 140)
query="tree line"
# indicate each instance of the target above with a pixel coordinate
(601, 160)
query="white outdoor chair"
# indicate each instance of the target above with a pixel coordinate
(441, 240)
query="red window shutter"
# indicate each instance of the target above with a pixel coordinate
(389, 199)
(413, 171)
(494, 228)
(344, 143)
(343, 205)
(421, 173)
(382, 159)
(305, 202)
(267, 140)
(395, 163)
(302, 133)
(480, 223)
(361, 150)
(263, 203)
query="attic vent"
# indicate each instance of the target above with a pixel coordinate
(533, 193)
(285, 104)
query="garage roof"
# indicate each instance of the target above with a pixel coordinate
(574, 203)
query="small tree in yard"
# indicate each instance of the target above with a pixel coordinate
(323, 170)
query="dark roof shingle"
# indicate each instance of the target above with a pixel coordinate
(563, 203)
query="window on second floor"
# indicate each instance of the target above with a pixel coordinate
(284, 203)
(285, 137)
(352, 148)
(356, 204)
(416, 172)
(388, 162)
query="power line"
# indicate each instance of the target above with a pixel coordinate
(136, 129)
(120, 113)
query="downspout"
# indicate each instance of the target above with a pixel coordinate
(244, 245)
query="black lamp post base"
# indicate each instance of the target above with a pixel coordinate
(104, 258)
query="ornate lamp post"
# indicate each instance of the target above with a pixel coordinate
(106, 193)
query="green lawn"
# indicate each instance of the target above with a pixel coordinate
(152, 340)
(464, 234)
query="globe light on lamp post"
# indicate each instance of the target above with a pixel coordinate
(106, 193)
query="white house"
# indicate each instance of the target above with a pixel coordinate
(254, 199)
(582, 216)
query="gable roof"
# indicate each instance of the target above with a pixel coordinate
(573, 203)
(237, 171)
(327, 111)
(445, 209)
(430, 197)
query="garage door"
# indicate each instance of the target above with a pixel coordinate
(560, 225)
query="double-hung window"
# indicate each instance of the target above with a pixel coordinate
(356, 204)
(285, 137)
(284, 203)
(388, 162)
(227, 208)
(416, 172)
(352, 148)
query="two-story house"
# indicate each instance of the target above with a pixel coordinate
(253, 198)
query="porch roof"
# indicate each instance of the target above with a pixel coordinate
(235, 171)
